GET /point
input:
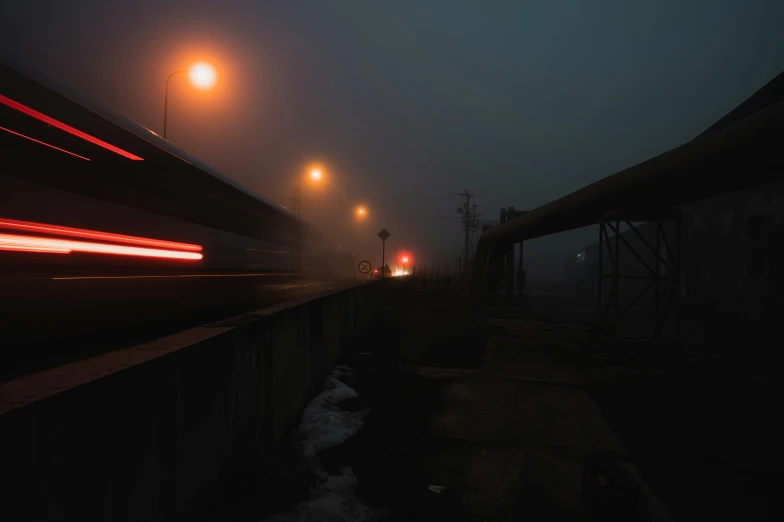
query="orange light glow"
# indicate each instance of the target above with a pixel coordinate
(67, 128)
(15, 241)
(43, 143)
(57, 230)
(405, 259)
(316, 174)
(202, 75)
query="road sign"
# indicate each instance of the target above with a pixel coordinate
(364, 267)
(384, 235)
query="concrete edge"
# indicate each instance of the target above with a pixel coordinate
(29, 389)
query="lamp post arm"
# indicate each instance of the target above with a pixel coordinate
(166, 102)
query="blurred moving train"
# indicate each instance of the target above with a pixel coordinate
(83, 187)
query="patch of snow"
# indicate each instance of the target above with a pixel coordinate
(333, 501)
(324, 424)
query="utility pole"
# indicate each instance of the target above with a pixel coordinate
(470, 222)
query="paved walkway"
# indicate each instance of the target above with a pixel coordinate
(485, 415)
(478, 406)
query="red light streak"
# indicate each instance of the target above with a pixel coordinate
(44, 143)
(67, 128)
(15, 241)
(57, 230)
(175, 276)
(39, 250)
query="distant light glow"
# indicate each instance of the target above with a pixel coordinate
(43, 143)
(42, 244)
(202, 75)
(57, 230)
(398, 273)
(316, 174)
(405, 259)
(67, 128)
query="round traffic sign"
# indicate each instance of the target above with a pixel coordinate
(364, 267)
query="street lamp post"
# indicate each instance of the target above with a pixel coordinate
(315, 175)
(202, 76)
(360, 213)
(166, 102)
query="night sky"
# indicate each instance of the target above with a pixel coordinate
(409, 102)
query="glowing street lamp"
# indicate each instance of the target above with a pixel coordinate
(315, 175)
(360, 213)
(202, 75)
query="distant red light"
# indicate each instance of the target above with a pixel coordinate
(44, 143)
(67, 128)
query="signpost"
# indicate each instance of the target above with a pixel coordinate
(364, 268)
(384, 235)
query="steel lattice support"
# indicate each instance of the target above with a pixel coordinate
(660, 276)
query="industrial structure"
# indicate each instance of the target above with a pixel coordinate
(470, 222)
(741, 151)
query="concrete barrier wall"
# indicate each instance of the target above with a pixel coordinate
(157, 431)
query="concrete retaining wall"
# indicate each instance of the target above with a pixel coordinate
(156, 431)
